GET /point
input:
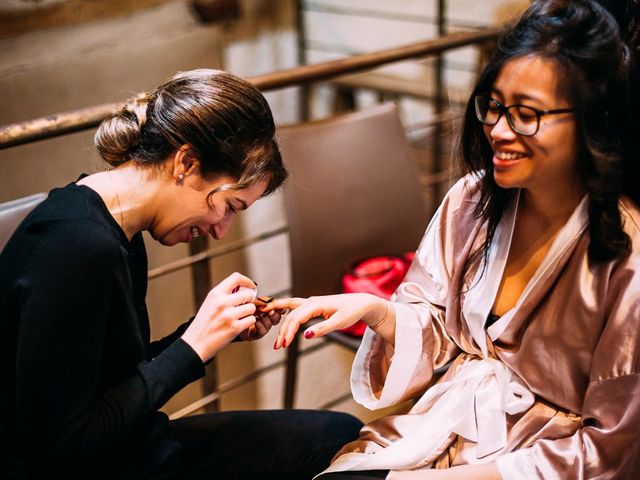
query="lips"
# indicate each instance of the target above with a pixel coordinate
(508, 155)
(502, 159)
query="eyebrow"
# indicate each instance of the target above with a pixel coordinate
(519, 96)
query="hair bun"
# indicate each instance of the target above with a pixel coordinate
(118, 134)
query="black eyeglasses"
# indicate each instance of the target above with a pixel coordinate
(522, 119)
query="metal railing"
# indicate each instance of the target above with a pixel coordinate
(83, 119)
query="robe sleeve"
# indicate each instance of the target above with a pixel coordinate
(384, 375)
(606, 445)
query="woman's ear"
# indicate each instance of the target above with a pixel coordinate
(185, 163)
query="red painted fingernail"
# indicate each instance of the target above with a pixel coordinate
(235, 289)
(284, 343)
(309, 334)
(274, 344)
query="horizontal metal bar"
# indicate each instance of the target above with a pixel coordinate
(214, 252)
(436, 178)
(386, 15)
(336, 401)
(367, 12)
(444, 117)
(77, 120)
(237, 382)
(322, 71)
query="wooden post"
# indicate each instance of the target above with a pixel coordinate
(439, 107)
(201, 277)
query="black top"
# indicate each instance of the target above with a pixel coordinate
(491, 319)
(80, 382)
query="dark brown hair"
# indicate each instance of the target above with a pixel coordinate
(224, 119)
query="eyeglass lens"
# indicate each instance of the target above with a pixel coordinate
(523, 119)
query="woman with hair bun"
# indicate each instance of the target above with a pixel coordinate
(81, 381)
(527, 279)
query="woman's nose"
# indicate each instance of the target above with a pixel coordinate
(502, 130)
(221, 228)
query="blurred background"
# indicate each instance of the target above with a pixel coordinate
(63, 55)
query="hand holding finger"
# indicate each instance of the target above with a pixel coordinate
(221, 317)
(274, 316)
(258, 330)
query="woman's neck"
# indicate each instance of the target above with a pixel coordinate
(552, 206)
(129, 193)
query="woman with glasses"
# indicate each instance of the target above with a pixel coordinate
(527, 280)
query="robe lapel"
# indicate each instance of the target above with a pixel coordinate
(559, 252)
(481, 296)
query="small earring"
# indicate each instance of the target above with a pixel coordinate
(180, 177)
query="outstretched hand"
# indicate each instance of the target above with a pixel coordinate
(339, 311)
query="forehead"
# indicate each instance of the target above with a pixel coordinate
(244, 196)
(530, 78)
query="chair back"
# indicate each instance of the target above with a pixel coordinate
(13, 212)
(353, 192)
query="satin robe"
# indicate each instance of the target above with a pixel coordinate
(549, 391)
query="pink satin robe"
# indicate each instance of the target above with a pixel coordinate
(549, 391)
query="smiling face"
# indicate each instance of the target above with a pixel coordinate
(190, 207)
(548, 159)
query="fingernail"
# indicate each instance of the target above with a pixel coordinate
(235, 289)
(274, 344)
(309, 334)
(284, 343)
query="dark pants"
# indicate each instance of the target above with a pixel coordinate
(363, 475)
(274, 444)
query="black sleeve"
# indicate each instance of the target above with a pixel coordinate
(160, 345)
(63, 414)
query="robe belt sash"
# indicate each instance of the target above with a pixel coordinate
(473, 404)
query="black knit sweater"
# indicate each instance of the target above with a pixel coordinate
(80, 382)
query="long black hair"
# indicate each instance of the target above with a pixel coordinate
(597, 73)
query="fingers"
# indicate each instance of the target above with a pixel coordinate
(282, 304)
(275, 316)
(241, 297)
(261, 328)
(339, 311)
(335, 322)
(264, 323)
(292, 322)
(248, 325)
(233, 281)
(242, 310)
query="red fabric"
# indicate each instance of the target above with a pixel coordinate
(376, 275)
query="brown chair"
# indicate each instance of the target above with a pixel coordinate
(353, 192)
(13, 212)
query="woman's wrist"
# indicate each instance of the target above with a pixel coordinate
(387, 313)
